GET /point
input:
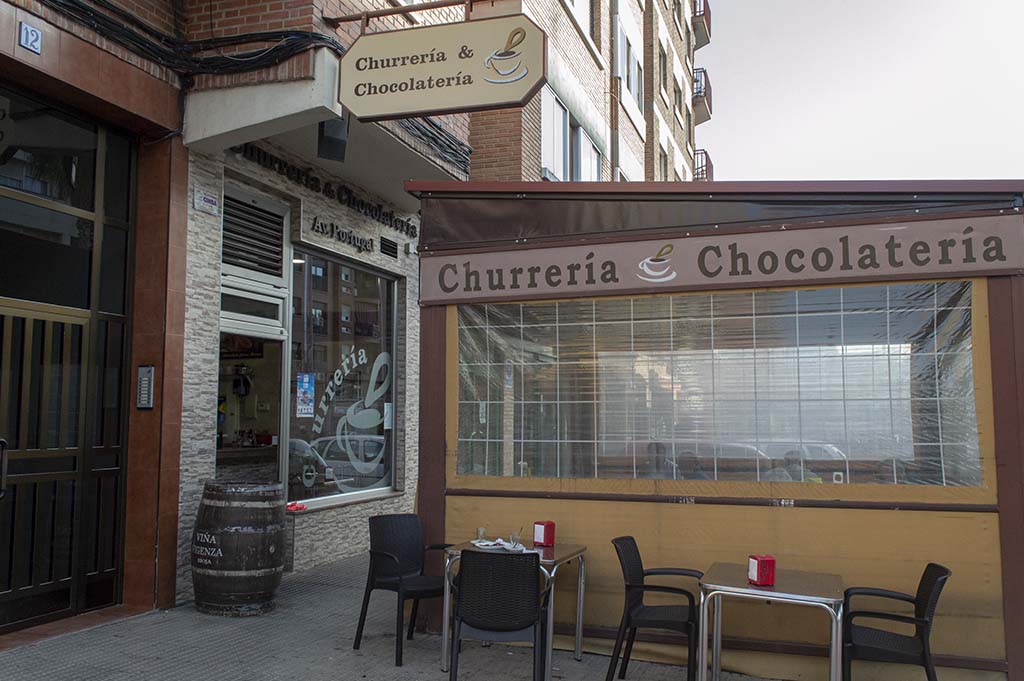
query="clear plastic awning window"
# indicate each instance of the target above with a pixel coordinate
(856, 384)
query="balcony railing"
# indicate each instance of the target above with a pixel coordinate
(701, 23)
(701, 96)
(703, 168)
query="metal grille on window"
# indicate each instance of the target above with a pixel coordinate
(389, 248)
(253, 237)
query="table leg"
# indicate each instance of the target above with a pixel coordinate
(447, 613)
(580, 589)
(716, 642)
(835, 663)
(549, 643)
(702, 648)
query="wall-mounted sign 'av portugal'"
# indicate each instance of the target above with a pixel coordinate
(471, 66)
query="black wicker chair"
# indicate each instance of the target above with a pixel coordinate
(397, 556)
(499, 597)
(637, 615)
(868, 643)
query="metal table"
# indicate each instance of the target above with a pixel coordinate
(814, 589)
(551, 558)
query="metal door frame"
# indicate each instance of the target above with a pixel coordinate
(90, 319)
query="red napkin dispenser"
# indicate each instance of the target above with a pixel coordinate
(544, 533)
(761, 570)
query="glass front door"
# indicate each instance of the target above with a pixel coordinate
(248, 409)
(64, 245)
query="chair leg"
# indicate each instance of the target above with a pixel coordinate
(847, 663)
(613, 663)
(399, 629)
(629, 652)
(691, 652)
(362, 618)
(453, 663)
(929, 666)
(538, 653)
(412, 620)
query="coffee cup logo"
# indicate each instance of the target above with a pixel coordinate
(507, 61)
(657, 269)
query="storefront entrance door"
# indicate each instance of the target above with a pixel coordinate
(65, 245)
(42, 418)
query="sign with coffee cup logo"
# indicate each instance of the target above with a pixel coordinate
(899, 250)
(448, 68)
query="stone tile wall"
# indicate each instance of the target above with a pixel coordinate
(320, 535)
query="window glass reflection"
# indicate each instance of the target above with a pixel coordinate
(45, 152)
(342, 405)
(54, 254)
(869, 384)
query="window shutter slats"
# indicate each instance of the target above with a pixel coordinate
(253, 238)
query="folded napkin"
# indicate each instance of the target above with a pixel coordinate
(516, 548)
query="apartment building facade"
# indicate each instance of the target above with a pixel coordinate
(212, 266)
(622, 100)
(216, 266)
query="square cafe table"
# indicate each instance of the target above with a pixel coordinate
(729, 580)
(551, 558)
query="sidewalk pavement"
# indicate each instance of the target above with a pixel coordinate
(308, 637)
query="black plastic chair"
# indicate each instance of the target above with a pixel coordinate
(499, 597)
(397, 556)
(637, 615)
(868, 643)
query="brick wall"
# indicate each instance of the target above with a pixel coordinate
(507, 144)
(531, 152)
(496, 138)
(659, 21)
(166, 16)
(153, 8)
(564, 37)
(220, 18)
(630, 138)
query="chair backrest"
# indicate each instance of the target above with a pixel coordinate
(632, 567)
(499, 591)
(401, 535)
(928, 591)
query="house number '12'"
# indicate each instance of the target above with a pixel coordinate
(30, 38)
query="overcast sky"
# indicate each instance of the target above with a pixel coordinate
(873, 89)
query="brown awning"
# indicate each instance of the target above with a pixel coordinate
(498, 215)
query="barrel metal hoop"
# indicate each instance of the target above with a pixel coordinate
(241, 504)
(269, 528)
(235, 573)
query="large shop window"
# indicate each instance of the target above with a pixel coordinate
(342, 380)
(860, 384)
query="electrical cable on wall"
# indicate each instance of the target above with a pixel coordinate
(183, 57)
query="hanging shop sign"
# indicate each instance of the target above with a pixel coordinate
(467, 66)
(343, 194)
(936, 248)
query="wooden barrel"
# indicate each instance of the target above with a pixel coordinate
(238, 548)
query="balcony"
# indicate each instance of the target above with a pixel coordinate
(703, 168)
(701, 22)
(701, 96)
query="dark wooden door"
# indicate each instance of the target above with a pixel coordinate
(60, 413)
